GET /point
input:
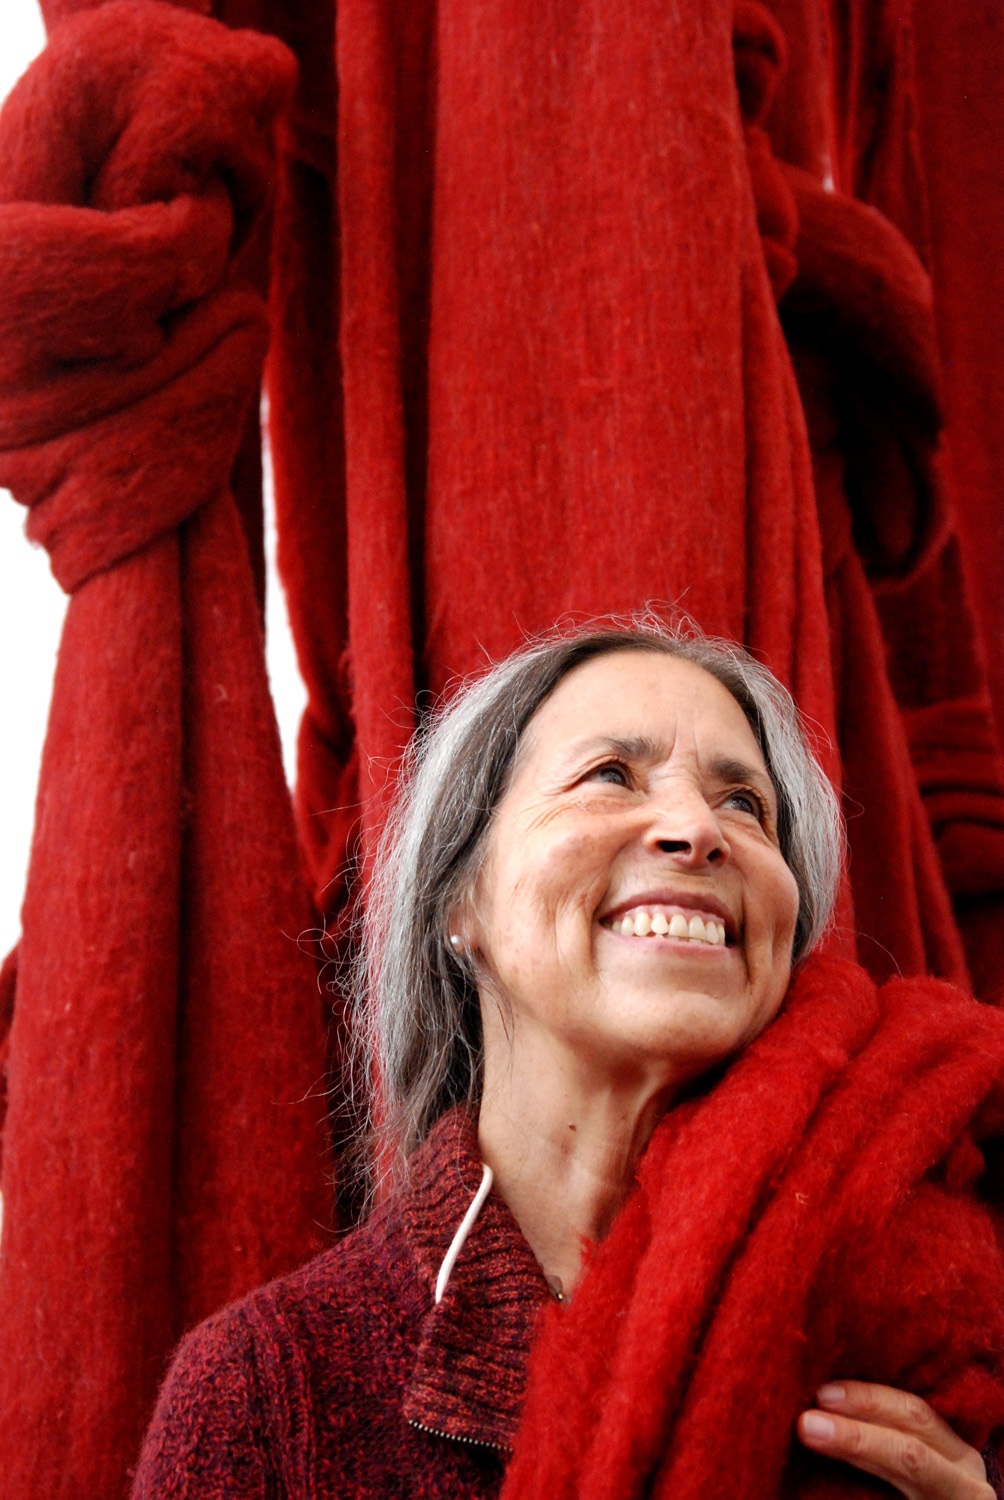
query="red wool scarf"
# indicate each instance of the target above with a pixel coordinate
(812, 1216)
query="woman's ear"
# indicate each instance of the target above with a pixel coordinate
(462, 930)
(459, 940)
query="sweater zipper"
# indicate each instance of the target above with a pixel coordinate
(453, 1437)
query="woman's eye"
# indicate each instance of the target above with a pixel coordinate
(610, 771)
(747, 801)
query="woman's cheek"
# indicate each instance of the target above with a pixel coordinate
(771, 910)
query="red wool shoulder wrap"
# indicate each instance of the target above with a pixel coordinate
(812, 1217)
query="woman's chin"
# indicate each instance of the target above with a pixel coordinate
(678, 1036)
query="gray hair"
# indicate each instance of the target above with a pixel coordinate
(420, 1022)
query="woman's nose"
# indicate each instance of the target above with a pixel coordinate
(685, 825)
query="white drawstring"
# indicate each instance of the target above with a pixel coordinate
(466, 1225)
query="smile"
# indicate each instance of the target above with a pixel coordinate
(644, 922)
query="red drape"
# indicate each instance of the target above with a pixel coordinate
(160, 1155)
(537, 266)
(573, 312)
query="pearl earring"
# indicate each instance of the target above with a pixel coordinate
(456, 942)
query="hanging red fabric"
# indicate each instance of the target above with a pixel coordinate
(564, 390)
(160, 1156)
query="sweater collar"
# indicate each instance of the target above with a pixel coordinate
(470, 1370)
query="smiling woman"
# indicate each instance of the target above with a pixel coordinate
(589, 1027)
(598, 1084)
(604, 839)
(425, 1022)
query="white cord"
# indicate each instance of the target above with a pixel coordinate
(466, 1225)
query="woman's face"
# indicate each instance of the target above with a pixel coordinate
(638, 832)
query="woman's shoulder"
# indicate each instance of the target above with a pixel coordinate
(362, 1285)
(248, 1383)
(362, 1288)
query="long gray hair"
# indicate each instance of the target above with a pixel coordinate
(419, 1025)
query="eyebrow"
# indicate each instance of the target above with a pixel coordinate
(725, 768)
(632, 747)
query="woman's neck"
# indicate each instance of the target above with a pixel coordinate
(564, 1155)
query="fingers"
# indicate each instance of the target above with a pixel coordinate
(885, 1406)
(897, 1437)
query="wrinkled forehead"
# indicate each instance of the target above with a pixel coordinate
(643, 698)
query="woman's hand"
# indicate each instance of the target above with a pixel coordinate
(898, 1438)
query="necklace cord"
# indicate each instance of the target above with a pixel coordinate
(466, 1225)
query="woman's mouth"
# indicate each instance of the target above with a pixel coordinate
(652, 921)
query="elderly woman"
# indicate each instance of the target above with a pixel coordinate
(609, 855)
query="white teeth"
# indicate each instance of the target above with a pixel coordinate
(641, 923)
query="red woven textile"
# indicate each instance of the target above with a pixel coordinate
(846, 1240)
(527, 364)
(159, 1157)
(923, 140)
(563, 384)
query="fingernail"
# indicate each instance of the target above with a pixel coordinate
(815, 1425)
(832, 1395)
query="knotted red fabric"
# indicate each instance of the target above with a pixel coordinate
(159, 1156)
(844, 1238)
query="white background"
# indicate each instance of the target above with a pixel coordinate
(32, 607)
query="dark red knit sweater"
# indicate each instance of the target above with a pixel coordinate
(344, 1379)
